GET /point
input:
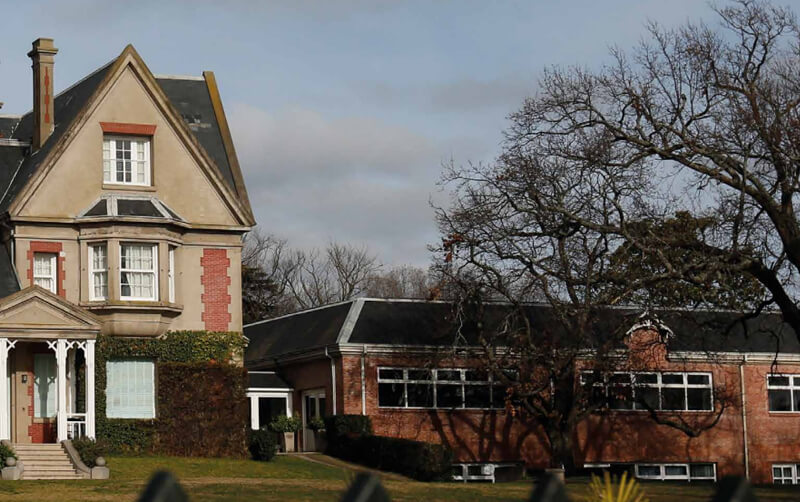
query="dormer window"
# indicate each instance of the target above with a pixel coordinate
(126, 160)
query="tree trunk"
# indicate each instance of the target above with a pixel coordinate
(561, 451)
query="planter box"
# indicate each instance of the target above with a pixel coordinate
(320, 441)
(287, 442)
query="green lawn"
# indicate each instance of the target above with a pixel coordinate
(290, 479)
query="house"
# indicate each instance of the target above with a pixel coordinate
(399, 362)
(122, 209)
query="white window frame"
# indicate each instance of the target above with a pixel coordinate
(171, 274)
(433, 382)
(154, 271)
(53, 258)
(636, 406)
(93, 271)
(794, 386)
(151, 414)
(793, 478)
(663, 476)
(110, 160)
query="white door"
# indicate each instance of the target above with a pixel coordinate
(313, 406)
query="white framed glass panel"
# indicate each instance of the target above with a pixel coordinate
(130, 389)
(126, 160)
(44, 270)
(783, 393)
(44, 385)
(171, 274)
(98, 271)
(784, 474)
(650, 391)
(443, 388)
(138, 271)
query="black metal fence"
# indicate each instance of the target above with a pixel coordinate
(163, 487)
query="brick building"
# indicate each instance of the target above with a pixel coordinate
(394, 361)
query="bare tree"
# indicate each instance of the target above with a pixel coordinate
(674, 167)
(402, 281)
(264, 278)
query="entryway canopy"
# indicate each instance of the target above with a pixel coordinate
(37, 315)
(269, 396)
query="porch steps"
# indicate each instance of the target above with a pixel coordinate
(45, 461)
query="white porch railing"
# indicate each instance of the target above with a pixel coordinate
(76, 425)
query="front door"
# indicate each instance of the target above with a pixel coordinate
(313, 407)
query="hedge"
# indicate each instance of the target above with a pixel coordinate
(262, 444)
(350, 438)
(205, 350)
(89, 450)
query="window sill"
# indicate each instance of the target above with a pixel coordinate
(132, 305)
(134, 188)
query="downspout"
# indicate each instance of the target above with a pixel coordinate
(744, 419)
(333, 379)
(363, 381)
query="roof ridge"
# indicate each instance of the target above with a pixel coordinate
(180, 77)
(350, 321)
(304, 311)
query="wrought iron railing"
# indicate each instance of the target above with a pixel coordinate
(163, 487)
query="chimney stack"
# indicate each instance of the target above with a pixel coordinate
(43, 117)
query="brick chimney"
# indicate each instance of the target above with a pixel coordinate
(43, 117)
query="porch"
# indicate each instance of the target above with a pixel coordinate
(47, 360)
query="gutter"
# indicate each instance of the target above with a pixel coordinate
(744, 418)
(333, 379)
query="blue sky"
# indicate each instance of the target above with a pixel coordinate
(343, 111)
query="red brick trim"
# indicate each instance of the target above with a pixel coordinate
(48, 247)
(133, 129)
(215, 297)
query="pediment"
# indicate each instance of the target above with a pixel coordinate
(35, 308)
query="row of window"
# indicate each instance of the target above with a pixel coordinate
(138, 271)
(786, 474)
(130, 388)
(447, 388)
(645, 391)
(669, 472)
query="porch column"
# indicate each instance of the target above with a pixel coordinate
(5, 426)
(89, 353)
(61, 383)
(254, 418)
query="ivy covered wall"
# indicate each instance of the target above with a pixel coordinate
(201, 407)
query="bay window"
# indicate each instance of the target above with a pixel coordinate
(126, 160)
(138, 271)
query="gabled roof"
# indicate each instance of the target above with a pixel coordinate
(196, 100)
(418, 323)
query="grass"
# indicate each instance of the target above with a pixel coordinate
(293, 479)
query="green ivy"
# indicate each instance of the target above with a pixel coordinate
(198, 347)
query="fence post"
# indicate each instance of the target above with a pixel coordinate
(163, 487)
(366, 488)
(734, 489)
(549, 489)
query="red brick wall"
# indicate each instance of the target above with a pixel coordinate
(215, 297)
(48, 247)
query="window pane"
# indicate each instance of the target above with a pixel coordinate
(701, 471)
(673, 398)
(390, 374)
(675, 470)
(476, 376)
(780, 400)
(390, 394)
(448, 396)
(130, 389)
(778, 380)
(620, 397)
(449, 375)
(672, 378)
(477, 396)
(699, 399)
(420, 375)
(646, 378)
(620, 378)
(420, 395)
(647, 398)
(649, 471)
(698, 379)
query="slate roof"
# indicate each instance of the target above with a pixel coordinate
(421, 323)
(265, 380)
(7, 123)
(8, 278)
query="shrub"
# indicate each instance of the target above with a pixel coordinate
(341, 425)
(128, 437)
(89, 449)
(262, 445)
(282, 423)
(316, 424)
(415, 459)
(6, 452)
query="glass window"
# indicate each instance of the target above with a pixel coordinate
(784, 474)
(676, 471)
(44, 271)
(171, 274)
(419, 395)
(449, 396)
(138, 263)
(130, 389)
(98, 272)
(701, 471)
(783, 393)
(648, 471)
(126, 160)
(391, 395)
(44, 385)
(446, 388)
(651, 391)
